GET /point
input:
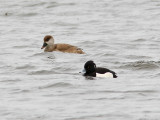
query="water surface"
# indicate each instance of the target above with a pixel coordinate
(121, 35)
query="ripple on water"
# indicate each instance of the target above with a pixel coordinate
(10, 81)
(36, 4)
(139, 40)
(25, 67)
(142, 65)
(52, 5)
(54, 85)
(128, 91)
(16, 91)
(31, 14)
(137, 57)
(20, 46)
(42, 72)
(50, 55)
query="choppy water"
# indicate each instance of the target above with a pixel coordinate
(122, 35)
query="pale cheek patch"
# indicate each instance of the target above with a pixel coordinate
(50, 42)
(106, 75)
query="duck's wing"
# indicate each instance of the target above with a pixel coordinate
(63, 47)
(68, 48)
(104, 70)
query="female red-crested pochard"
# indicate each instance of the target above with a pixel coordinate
(50, 46)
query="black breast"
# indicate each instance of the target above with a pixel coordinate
(90, 74)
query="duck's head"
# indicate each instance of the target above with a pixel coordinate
(48, 40)
(89, 67)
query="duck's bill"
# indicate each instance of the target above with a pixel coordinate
(83, 72)
(44, 45)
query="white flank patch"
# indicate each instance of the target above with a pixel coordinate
(107, 75)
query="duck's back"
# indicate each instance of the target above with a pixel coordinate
(101, 70)
(68, 48)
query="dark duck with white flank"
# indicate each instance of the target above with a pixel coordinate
(91, 70)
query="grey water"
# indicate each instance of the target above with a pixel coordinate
(122, 35)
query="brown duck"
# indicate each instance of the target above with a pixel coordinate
(50, 46)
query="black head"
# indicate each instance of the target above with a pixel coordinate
(90, 67)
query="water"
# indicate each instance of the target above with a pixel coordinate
(122, 35)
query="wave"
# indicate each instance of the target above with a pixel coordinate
(60, 84)
(25, 67)
(142, 65)
(42, 72)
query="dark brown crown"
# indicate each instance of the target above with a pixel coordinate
(47, 38)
